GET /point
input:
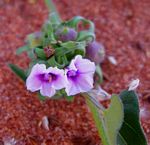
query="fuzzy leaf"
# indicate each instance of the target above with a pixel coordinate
(53, 63)
(18, 71)
(76, 20)
(113, 118)
(131, 132)
(31, 54)
(34, 40)
(55, 18)
(48, 34)
(108, 121)
(22, 49)
(70, 44)
(99, 73)
(40, 53)
(57, 96)
(71, 47)
(86, 35)
(69, 98)
(41, 97)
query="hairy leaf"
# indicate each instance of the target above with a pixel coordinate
(55, 18)
(71, 47)
(108, 121)
(40, 53)
(69, 98)
(48, 34)
(41, 97)
(77, 19)
(31, 54)
(86, 35)
(99, 73)
(53, 63)
(131, 132)
(22, 49)
(18, 71)
(34, 40)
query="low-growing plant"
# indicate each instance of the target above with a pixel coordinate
(63, 62)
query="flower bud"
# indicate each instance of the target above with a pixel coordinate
(95, 52)
(49, 51)
(66, 34)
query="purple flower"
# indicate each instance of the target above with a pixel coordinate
(95, 52)
(79, 76)
(66, 34)
(46, 80)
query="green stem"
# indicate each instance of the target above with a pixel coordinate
(99, 73)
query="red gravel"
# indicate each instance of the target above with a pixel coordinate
(122, 26)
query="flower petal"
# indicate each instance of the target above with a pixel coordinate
(47, 90)
(38, 69)
(33, 82)
(72, 65)
(72, 88)
(84, 65)
(60, 81)
(85, 82)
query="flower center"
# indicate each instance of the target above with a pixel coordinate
(48, 77)
(71, 73)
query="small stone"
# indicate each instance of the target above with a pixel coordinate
(45, 123)
(112, 60)
(134, 84)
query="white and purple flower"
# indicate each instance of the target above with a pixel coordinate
(79, 76)
(46, 80)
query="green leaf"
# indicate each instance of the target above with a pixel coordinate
(99, 73)
(40, 53)
(31, 54)
(113, 118)
(69, 98)
(41, 97)
(63, 61)
(22, 49)
(57, 96)
(53, 63)
(86, 35)
(33, 40)
(77, 19)
(131, 132)
(52, 8)
(80, 48)
(71, 47)
(108, 121)
(48, 34)
(18, 71)
(54, 19)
